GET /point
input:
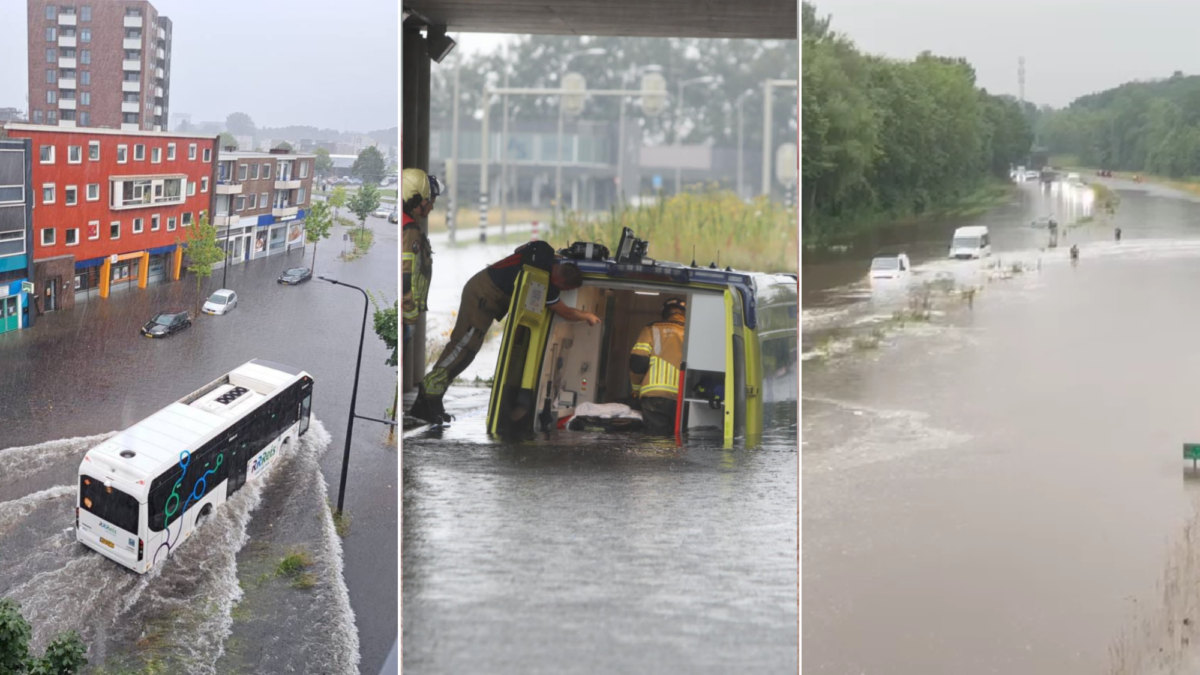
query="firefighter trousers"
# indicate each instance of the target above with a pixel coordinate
(658, 413)
(482, 303)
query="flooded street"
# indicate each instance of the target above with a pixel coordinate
(1000, 489)
(580, 552)
(80, 375)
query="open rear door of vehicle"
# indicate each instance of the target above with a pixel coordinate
(512, 407)
(735, 365)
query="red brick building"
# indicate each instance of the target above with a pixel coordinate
(98, 63)
(110, 207)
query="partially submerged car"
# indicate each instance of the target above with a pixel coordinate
(742, 332)
(166, 324)
(220, 302)
(890, 267)
(295, 275)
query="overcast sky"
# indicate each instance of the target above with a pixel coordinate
(325, 64)
(1071, 47)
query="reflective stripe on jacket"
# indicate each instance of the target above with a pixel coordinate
(662, 342)
(416, 264)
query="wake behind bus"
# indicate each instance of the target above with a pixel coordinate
(144, 491)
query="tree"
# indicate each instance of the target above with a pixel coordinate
(323, 163)
(240, 124)
(202, 252)
(284, 145)
(227, 140)
(364, 202)
(337, 199)
(65, 655)
(387, 326)
(369, 166)
(316, 227)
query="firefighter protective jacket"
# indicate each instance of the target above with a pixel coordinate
(662, 343)
(416, 263)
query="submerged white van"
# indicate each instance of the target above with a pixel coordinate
(970, 242)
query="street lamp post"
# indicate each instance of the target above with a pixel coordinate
(768, 87)
(562, 73)
(740, 160)
(353, 392)
(678, 118)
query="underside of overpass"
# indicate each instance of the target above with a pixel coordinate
(738, 19)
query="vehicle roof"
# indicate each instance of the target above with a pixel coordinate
(887, 256)
(971, 229)
(223, 291)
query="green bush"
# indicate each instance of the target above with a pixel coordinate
(66, 654)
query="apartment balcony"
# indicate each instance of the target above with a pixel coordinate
(160, 53)
(66, 83)
(131, 65)
(290, 183)
(160, 73)
(284, 211)
(64, 62)
(226, 221)
(157, 110)
(162, 34)
(158, 92)
(67, 19)
(129, 106)
(156, 127)
(229, 188)
(125, 126)
(133, 87)
(66, 104)
(133, 22)
(131, 43)
(66, 41)
(66, 123)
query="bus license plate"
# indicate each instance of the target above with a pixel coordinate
(107, 543)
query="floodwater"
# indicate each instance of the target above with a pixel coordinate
(215, 607)
(581, 552)
(1000, 489)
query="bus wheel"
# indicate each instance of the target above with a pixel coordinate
(204, 513)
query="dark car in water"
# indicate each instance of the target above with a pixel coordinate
(394, 216)
(166, 324)
(295, 275)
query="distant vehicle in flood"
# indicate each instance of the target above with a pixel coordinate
(970, 242)
(1044, 222)
(890, 267)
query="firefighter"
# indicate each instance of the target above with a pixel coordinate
(419, 192)
(485, 299)
(654, 368)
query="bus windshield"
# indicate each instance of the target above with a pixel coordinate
(108, 504)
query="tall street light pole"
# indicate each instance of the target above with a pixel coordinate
(353, 392)
(768, 86)
(741, 163)
(562, 73)
(678, 119)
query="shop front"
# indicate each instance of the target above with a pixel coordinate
(14, 305)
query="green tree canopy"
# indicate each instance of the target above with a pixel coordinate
(369, 166)
(317, 225)
(240, 124)
(323, 163)
(364, 202)
(202, 252)
(227, 140)
(283, 145)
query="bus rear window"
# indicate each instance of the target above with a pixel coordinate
(108, 504)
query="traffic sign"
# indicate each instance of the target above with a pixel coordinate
(573, 103)
(1191, 451)
(26, 286)
(653, 104)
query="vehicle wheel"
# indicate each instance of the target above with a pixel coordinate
(204, 514)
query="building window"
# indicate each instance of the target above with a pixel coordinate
(187, 219)
(122, 154)
(12, 194)
(93, 150)
(51, 12)
(191, 188)
(241, 203)
(139, 152)
(46, 154)
(85, 98)
(85, 118)
(170, 223)
(254, 172)
(129, 118)
(93, 192)
(114, 229)
(51, 96)
(47, 236)
(51, 55)
(51, 34)
(266, 171)
(303, 171)
(243, 170)
(85, 34)
(74, 154)
(85, 56)
(51, 117)
(68, 115)
(85, 13)
(192, 152)
(71, 195)
(170, 151)
(138, 224)
(72, 236)
(154, 223)
(155, 155)
(48, 193)
(132, 11)
(204, 184)
(300, 197)
(207, 155)
(253, 202)
(134, 192)
(51, 76)
(85, 77)
(37, 116)
(264, 200)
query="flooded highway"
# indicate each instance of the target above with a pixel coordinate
(999, 488)
(217, 607)
(580, 552)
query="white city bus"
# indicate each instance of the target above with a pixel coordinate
(145, 490)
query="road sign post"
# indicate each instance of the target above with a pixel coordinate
(1191, 451)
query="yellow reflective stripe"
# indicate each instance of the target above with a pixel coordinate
(673, 391)
(411, 315)
(408, 256)
(641, 348)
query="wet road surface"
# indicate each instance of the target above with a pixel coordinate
(1001, 489)
(593, 553)
(81, 374)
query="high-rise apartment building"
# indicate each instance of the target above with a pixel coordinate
(99, 63)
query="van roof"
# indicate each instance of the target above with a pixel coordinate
(971, 230)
